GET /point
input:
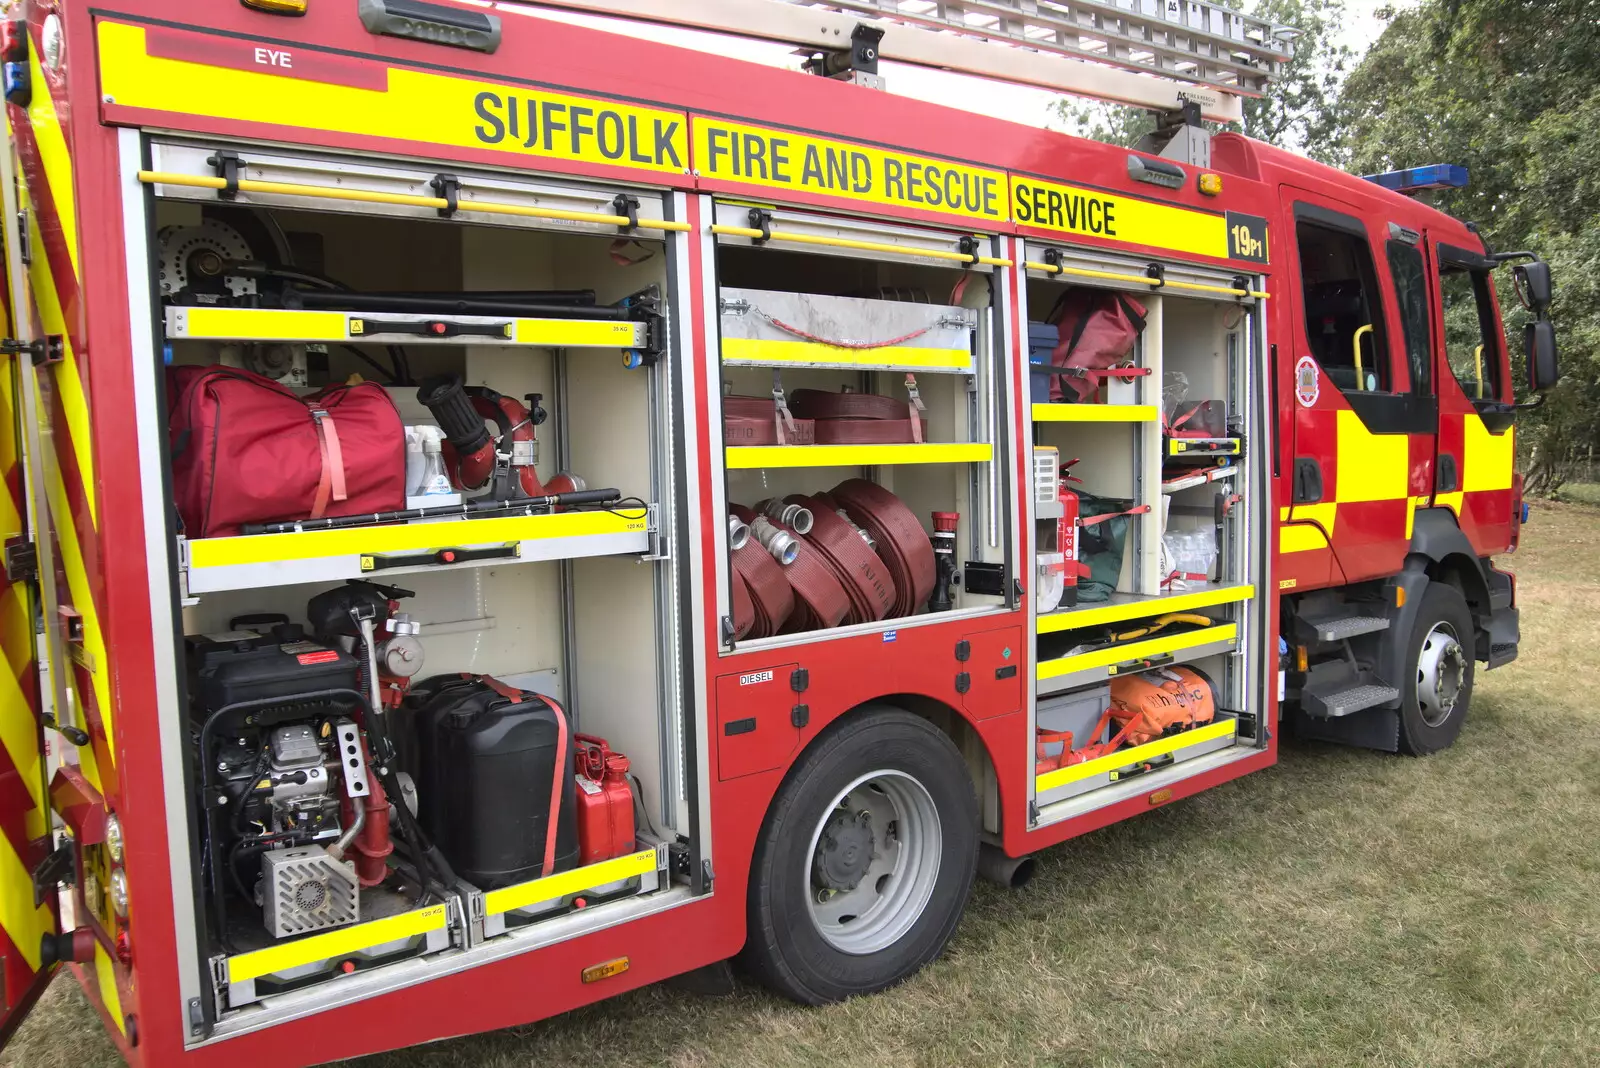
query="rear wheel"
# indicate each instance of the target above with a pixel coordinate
(1438, 687)
(865, 861)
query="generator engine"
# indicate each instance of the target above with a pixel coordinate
(273, 724)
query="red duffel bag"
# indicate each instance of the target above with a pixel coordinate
(248, 450)
(1096, 330)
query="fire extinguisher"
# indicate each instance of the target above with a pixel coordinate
(1067, 528)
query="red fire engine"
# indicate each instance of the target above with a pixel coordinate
(961, 487)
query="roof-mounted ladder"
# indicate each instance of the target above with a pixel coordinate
(1156, 54)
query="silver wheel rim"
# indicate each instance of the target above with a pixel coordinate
(1441, 673)
(873, 863)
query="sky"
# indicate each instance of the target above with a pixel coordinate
(1016, 103)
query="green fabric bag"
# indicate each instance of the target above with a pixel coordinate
(1101, 546)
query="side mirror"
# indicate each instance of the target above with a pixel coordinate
(1539, 340)
(1533, 285)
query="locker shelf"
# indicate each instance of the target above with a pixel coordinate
(753, 457)
(1095, 413)
(758, 352)
(259, 560)
(1126, 606)
(262, 324)
(1097, 665)
(1075, 779)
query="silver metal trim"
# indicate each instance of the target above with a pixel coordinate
(916, 240)
(167, 715)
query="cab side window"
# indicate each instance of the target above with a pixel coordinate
(1344, 313)
(1471, 338)
(1411, 291)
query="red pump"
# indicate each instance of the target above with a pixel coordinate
(605, 801)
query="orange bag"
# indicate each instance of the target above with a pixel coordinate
(1155, 703)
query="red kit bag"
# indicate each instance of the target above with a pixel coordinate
(248, 450)
(1096, 330)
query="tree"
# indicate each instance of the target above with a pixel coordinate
(1298, 110)
(1510, 89)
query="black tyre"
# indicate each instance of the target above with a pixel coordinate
(1438, 685)
(865, 862)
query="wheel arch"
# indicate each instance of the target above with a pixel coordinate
(1443, 552)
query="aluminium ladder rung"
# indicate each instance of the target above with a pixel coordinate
(1187, 40)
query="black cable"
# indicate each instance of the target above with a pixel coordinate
(617, 508)
(393, 376)
(402, 365)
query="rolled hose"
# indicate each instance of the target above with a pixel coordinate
(861, 573)
(754, 421)
(764, 583)
(902, 543)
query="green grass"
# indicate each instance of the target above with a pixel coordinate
(1342, 908)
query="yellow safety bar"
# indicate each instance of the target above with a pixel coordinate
(1143, 280)
(1477, 358)
(1355, 345)
(866, 246)
(370, 196)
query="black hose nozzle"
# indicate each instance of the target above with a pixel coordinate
(447, 400)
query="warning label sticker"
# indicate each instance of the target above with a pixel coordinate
(782, 159)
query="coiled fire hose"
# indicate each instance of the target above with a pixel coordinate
(819, 599)
(771, 593)
(861, 573)
(754, 421)
(862, 418)
(901, 543)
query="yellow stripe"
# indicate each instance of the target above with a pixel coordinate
(576, 333)
(756, 350)
(57, 162)
(1224, 728)
(1300, 538)
(1372, 467)
(82, 600)
(255, 323)
(1487, 459)
(1150, 647)
(306, 545)
(1094, 413)
(1451, 501)
(68, 383)
(1073, 618)
(106, 974)
(320, 947)
(555, 887)
(752, 457)
(23, 923)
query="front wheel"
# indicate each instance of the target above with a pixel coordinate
(865, 861)
(1438, 687)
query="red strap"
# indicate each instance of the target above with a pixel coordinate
(561, 770)
(501, 688)
(330, 482)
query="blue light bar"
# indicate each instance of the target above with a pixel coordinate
(1415, 179)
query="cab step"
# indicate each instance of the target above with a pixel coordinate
(1338, 628)
(1342, 702)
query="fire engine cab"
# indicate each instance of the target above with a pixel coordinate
(501, 512)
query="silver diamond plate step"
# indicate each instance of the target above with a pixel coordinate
(1337, 629)
(1344, 702)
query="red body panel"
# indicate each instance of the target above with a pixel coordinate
(842, 673)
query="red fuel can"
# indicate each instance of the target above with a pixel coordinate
(605, 801)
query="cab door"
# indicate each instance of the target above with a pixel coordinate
(1476, 447)
(1364, 422)
(25, 816)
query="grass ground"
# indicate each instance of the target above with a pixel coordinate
(1343, 907)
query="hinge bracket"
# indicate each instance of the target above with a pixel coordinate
(52, 871)
(22, 560)
(45, 350)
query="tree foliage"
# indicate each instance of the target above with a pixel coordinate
(1511, 89)
(1299, 109)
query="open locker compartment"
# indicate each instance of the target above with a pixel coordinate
(826, 326)
(561, 321)
(1200, 343)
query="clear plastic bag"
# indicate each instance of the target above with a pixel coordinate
(1188, 557)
